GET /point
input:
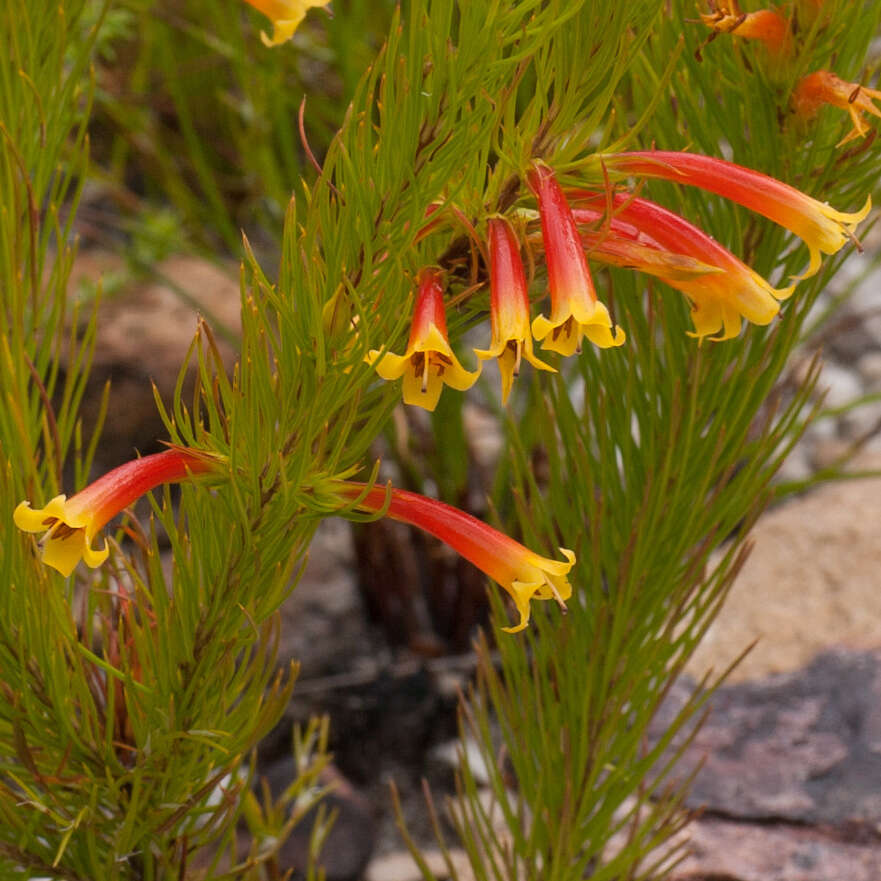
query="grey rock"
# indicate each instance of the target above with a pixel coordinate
(143, 337)
(840, 384)
(869, 369)
(863, 421)
(352, 836)
(324, 627)
(803, 747)
(720, 850)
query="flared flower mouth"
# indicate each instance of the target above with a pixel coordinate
(285, 15)
(69, 531)
(575, 311)
(823, 229)
(524, 574)
(428, 362)
(71, 525)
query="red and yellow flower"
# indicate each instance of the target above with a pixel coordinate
(71, 524)
(575, 311)
(524, 574)
(428, 362)
(823, 87)
(766, 25)
(645, 236)
(509, 306)
(285, 16)
(822, 228)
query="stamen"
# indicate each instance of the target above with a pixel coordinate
(58, 530)
(854, 240)
(424, 375)
(556, 594)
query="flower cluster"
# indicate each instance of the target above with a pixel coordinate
(777, 33)
(562, 227)
(623, 229)
(576, 313)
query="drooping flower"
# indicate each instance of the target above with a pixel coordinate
(822, 228)
(824, 87)
(524, 574)
(71, 524)
(765, 25)
(285, 16)
(429, 361)
(509, 306)
(575, 311)
(725, 290)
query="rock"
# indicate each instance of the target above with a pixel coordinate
(143, 335)
(485, 437)
(864, 299)
(400, 866)
(786, 773)
(324, 626)
(796, 466)
(850, 334)
(718, 850)
(352, 835)
(822, 429)
(451, 752)
(829, 452)
(840, 384)
(869, 369)
(863, 421)
(810, 582)
(801, 747)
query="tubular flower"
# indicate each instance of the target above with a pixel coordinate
(575, 310)
(522, 573)
(766, 25)
(285, 16)
(71, 524)
(722, 288)
(823, 87)
(821, 228)
(429, 361)
(509, 306)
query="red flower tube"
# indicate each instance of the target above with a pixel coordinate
(822, 228)
(520, 571)
(726, 289)
(575, 310)
(70, 525)
(509, 306)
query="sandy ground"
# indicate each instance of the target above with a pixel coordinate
(812, 581)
